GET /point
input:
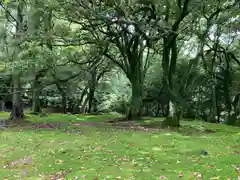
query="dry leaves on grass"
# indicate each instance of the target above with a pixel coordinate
(237, 169)
(58, 176)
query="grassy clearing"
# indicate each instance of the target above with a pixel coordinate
(118, 154)
(4, 115)
(65, 118)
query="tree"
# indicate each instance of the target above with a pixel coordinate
(17, 39)
(123, 29)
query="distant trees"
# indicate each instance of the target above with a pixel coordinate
(184, 49)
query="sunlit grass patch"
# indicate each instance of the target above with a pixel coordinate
(68, 118)
(4, 114)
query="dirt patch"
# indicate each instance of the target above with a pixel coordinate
(115, 125)
(209, 131)
(46, 126)
(24, 161)
(131, 125)
(125, 125)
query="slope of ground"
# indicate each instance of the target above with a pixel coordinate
(93, 152)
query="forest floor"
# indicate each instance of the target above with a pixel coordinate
(91, 147)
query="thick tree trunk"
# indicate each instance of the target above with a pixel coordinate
(80, 101)
(232, 115)
(63, 93)
(232, 118)
(92, 86)
(136, 99)
(36, 106)
(17, 110)
(169, 66)
(90, 100)
(175, 114)
(84, 106)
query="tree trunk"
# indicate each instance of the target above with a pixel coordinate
(64, 102)
(136, 99)
(80, 101)
(169, 66)
(90, 100)
(36, 106)
(17, 111)
(2, 106)
(214, 104)
(232, 118)
(63, 93)
(84, 106)
(175, 113)
(92, 86)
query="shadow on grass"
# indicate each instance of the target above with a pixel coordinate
(189, 127)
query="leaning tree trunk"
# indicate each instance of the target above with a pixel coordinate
(81, 100)
(17, 111)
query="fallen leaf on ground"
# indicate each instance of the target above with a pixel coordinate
(162, 177)
(131, 145)
(59, 161)
(197, 174)
(215, 178)
(180, 174)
